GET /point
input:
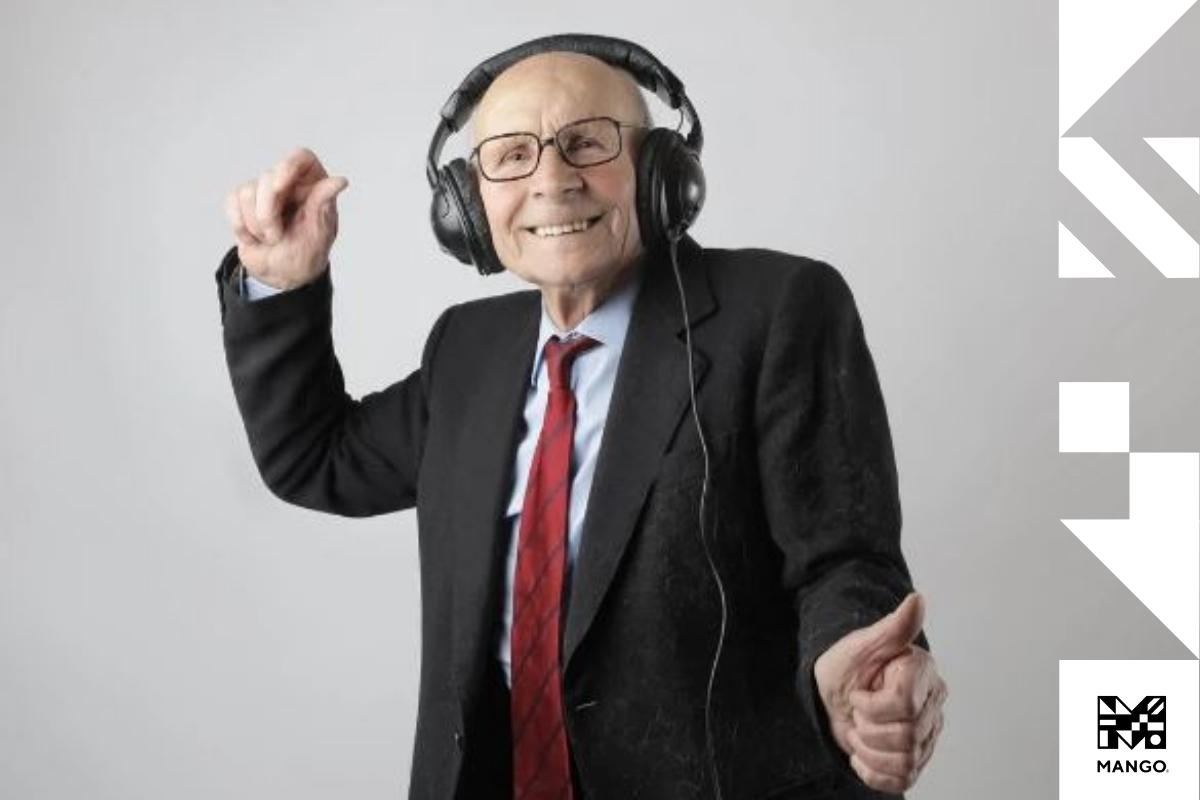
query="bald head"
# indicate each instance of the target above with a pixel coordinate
(546, 87)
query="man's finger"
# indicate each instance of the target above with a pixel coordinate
(296, 175)
(867, 651)
(875, 779)
(925, 751)
(930, 712)
(301, 165)
(327, 189)
(889, 704)
(246, 194)
(233, 212)
(892, 634)
(268, 206)
(902, 734)
(904, 692)
(897, 764)
(894, 737)
(322, 200)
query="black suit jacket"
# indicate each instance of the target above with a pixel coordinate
(803, 516)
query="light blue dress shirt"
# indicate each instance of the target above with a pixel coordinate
(254, 289)
(592, 377)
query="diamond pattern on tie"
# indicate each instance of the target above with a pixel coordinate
(541, 760)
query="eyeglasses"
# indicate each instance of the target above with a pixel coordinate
(583, 143)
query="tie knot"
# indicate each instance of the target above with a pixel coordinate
(561, 355)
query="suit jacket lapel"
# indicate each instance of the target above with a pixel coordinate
(649, 397)
(490, 430)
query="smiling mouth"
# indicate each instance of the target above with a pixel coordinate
(551, 231)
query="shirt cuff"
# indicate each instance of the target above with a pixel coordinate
(252, 288)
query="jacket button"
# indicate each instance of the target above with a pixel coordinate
(458, 740)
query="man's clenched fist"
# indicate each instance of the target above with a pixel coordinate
(285, 222)
(884, 698)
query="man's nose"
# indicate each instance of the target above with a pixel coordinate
(554, 175)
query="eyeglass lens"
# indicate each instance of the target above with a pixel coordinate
(582, 144)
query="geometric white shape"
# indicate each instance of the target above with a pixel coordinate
(1129, 207)
(1093, 417)
(1155, 738)
(1075, 260)
(1109, 722)
(1135, 726)
(1182, 154)
(1156, 726)
(1156, 563)
(1164, 488)
(1156, 552)
(1098, 40)
(1080, 682)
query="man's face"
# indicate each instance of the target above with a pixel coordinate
(540, 95)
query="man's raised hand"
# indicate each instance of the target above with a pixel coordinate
(286, 220)
(884, 697)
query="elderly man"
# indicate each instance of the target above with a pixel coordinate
(580, 637)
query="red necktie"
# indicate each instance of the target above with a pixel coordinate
(541, 764)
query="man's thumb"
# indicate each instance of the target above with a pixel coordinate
(325, 191)
(892, 634)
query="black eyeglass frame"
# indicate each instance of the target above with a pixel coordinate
(544, 143)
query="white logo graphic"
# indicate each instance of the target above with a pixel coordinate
(1098, 41)
(1156, 552)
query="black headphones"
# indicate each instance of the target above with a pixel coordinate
(670, 180)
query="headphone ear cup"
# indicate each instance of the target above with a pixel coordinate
(445, 215)
(460, 221)
(684, 185)
(670, 189)
(649, 190)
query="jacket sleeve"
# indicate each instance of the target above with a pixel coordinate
(828, 471)
(313, 444)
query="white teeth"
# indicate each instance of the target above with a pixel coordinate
(559, 230)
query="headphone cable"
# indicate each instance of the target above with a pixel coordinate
(673, 239)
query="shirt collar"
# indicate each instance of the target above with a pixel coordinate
(607, 323)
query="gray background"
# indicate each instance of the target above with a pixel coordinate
(170, 629)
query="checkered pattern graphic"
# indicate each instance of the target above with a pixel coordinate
(1144, 725)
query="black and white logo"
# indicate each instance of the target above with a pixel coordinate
(1122, 727)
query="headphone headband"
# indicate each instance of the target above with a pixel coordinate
(650, 73)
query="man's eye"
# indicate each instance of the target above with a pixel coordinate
(581, 143)
(514, 156)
